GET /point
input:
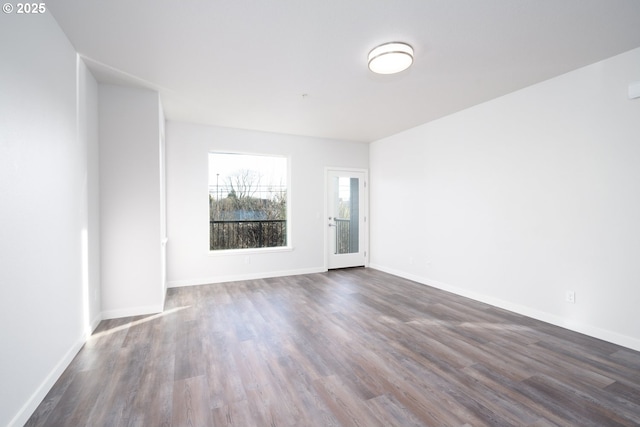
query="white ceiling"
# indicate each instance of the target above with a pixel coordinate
(247, 63)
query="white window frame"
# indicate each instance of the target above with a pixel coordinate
(249, 251)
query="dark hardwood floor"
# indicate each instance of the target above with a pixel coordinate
(350, 347)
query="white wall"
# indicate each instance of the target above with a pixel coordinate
(163, 202)
(130, 201)
(88, 132)
(522, 198)
(189, 261)
(45, 209)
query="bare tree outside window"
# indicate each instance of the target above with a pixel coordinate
(247, 201)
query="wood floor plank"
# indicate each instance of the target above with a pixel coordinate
(225, 383)
(314, 410)
(391, 412)
(345, 406)
(235, 414)
(190, 403)
(507, 387)
(344, 348)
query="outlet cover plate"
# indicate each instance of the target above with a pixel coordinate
(634, 90)
(570, 297)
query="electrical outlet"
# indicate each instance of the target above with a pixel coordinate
(570, 297)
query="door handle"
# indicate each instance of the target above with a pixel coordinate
(331, 225)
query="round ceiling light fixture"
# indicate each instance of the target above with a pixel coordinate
(390, 58)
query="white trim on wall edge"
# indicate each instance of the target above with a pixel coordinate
(132, 311)
(94, 323)
(239, 277)
(38, 396)
(592, 331)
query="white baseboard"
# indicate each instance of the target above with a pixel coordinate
(95, 322)
(592, 331)
(38, 396)
(239, 277)
(132, 311)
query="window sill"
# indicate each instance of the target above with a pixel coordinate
(232, 252)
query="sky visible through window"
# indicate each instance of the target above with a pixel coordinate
(222, 166)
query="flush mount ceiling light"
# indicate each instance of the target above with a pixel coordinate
(390, 58)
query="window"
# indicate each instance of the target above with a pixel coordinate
(247, 201)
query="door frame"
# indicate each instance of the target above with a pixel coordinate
(365, 208)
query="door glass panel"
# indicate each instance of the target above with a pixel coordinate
(346, 214)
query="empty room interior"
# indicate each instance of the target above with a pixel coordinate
(310, 213)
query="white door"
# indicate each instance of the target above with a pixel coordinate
(347, 215)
